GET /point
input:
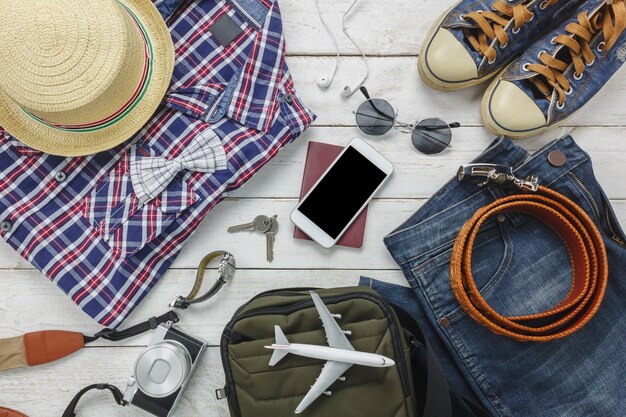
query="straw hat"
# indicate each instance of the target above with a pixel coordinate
(81, 76)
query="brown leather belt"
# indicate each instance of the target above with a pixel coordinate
(581, 238)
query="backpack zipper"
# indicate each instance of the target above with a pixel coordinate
(285, 291)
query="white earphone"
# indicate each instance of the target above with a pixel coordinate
(325, 81)
(348, 90)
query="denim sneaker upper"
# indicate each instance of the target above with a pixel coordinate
(478, 37)
(560, 72)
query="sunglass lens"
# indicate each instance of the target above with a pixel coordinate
(375, 117)
(431, 136)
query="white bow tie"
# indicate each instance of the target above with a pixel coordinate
(151, 176)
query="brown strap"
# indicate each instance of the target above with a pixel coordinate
(7, 412)
(38, 348)
(50, 345)
(587, 256)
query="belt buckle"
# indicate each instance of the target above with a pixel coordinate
(497, 174)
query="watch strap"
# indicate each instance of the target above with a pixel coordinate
(226, 270)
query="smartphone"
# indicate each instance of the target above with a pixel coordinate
(342, 192)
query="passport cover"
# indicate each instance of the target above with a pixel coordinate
(319, 157)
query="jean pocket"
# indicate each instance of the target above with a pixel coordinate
(124, 222)
(538, 275)
(491, 260)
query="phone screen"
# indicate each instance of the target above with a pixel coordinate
(337, 198)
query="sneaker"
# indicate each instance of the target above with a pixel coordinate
(559, 73)
(468, 45)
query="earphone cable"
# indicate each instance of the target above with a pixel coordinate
(345, 31)
(328, 31)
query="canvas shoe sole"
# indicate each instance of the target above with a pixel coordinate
(489, 115)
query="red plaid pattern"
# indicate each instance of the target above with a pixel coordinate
(79, 220)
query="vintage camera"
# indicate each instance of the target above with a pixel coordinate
(163, 370)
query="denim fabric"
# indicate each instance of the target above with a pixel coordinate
(167, 7)
(520, 266)
(404, 298)
(517, 41)
(593, 78)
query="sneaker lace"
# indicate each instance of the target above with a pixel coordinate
(490, 25)
(610, 19)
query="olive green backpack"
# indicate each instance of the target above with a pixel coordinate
(254, 389)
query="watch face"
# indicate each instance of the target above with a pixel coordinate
(162, 368)
(229, 268)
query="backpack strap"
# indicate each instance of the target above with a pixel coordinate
(439, 399)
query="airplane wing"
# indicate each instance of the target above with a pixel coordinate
(335, 336)
(330, 373)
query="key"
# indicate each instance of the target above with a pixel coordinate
(259, 224)
(270, 237)
(266, 225)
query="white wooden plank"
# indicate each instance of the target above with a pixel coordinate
(384, 216)
(46, 390)
(31, 303)
(380, 28)
(420, 176)
(396, 79)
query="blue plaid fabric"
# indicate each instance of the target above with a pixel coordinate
(79, 220)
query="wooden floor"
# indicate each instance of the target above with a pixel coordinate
(391, 33)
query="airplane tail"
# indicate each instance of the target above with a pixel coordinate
(281, 340)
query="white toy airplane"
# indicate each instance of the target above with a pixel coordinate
(340, 355)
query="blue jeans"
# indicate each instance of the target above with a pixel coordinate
(520, 267)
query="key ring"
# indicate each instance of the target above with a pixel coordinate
(225, 271)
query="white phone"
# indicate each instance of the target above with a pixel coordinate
(341, 193)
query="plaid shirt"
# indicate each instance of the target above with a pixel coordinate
(80, 220)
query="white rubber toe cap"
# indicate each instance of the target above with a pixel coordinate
(513, 110)
(448, 60)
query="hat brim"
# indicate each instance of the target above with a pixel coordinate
(60, 142)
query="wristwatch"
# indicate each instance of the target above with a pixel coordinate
(225, 271)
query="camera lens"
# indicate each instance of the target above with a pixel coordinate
(162, 368)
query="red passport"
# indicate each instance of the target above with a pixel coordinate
(318, 158)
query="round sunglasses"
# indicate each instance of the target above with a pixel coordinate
(376, 116)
